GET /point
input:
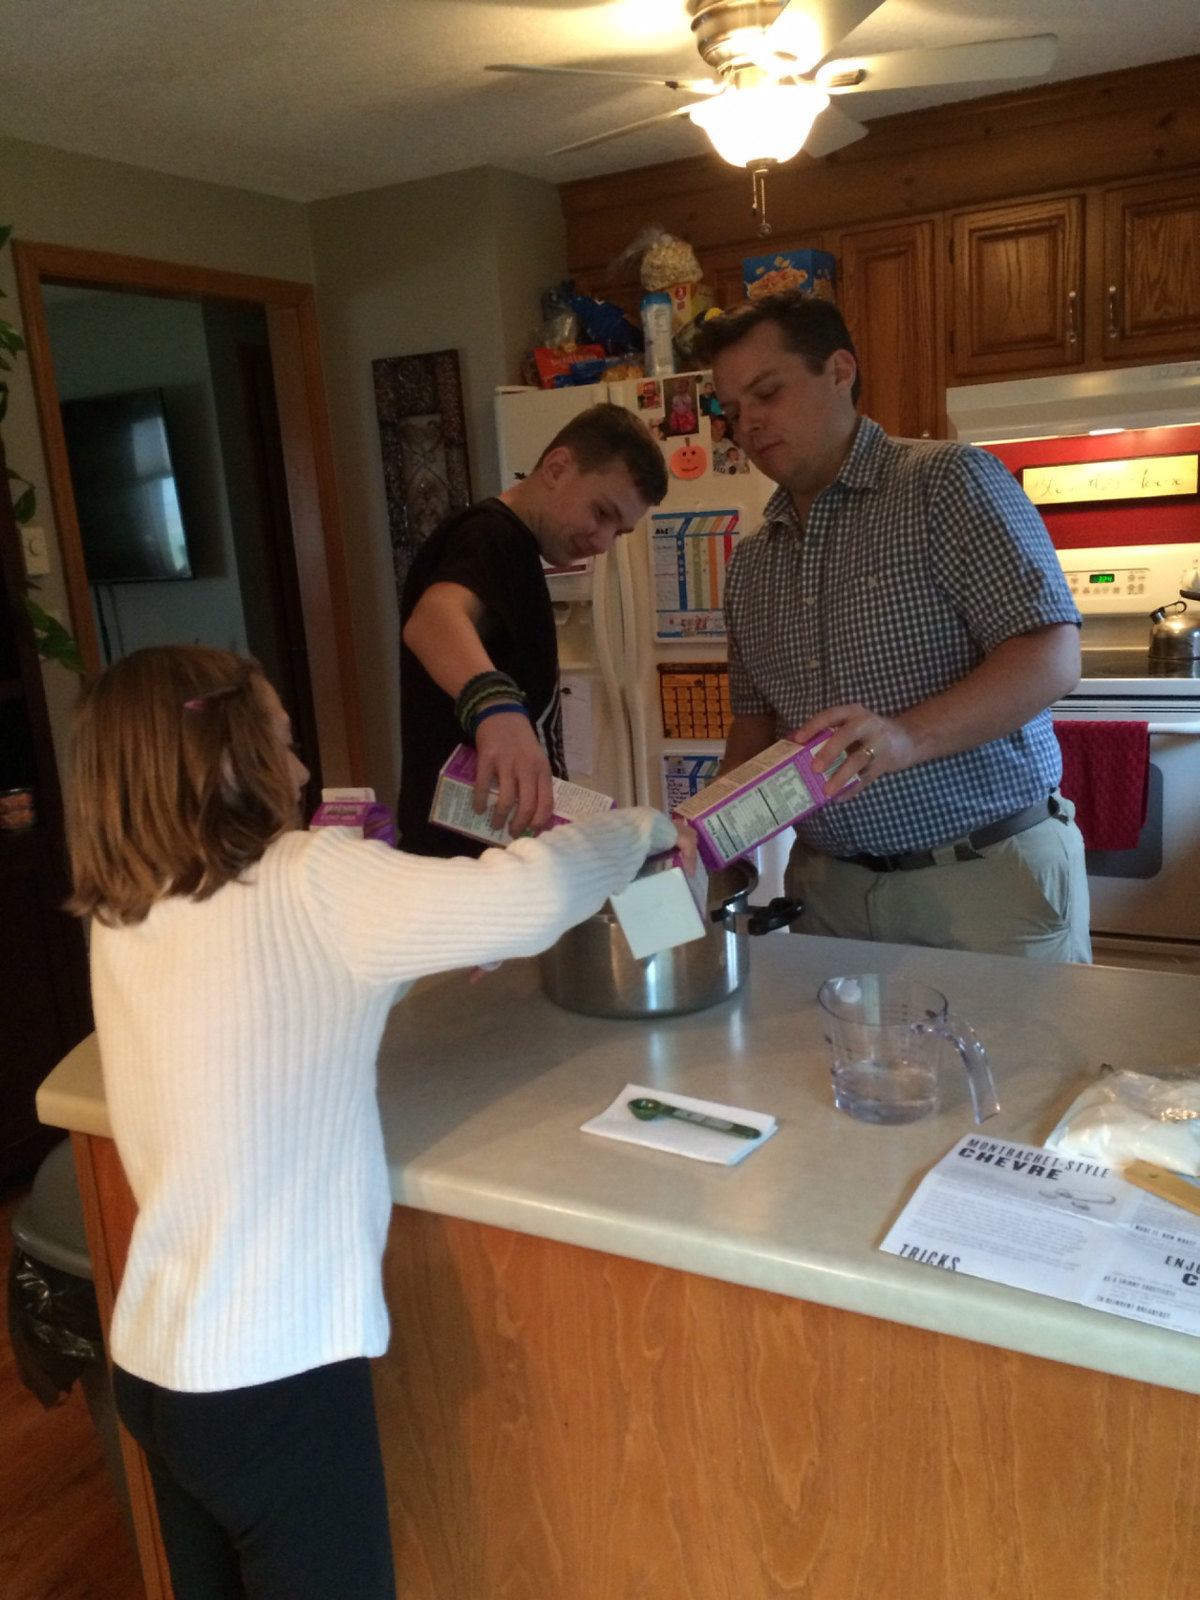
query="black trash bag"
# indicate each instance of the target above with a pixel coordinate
(54, 1325)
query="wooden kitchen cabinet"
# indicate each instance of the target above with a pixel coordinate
(1083, 280)
(1150, 291)
(1018, 275)
(603, 1427)
(889, 291)
(109, 1212)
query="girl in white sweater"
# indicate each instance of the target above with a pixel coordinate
(242, 973)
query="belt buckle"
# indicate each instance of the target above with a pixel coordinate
(885, 863)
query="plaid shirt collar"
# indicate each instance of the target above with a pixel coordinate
(861, 470)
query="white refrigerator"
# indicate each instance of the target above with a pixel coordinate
(642, 648)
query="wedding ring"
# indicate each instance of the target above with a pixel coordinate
(869, 751)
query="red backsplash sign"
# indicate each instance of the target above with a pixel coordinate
(1173, 521)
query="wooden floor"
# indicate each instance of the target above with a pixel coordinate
(62, 1535)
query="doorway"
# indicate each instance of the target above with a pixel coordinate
(236, 359)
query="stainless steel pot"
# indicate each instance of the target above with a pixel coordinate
(591, 968)
(1175, 635)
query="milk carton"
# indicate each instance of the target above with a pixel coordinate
(757, 800)
(662, 907)
(358, 810)
(453, 805)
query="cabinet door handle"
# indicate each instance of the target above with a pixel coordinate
(1113, 330)
(1072, 334)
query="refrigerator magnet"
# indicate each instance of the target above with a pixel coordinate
(689, 461)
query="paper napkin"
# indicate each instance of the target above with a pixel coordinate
(681, 1138)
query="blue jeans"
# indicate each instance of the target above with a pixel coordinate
(273, 1492)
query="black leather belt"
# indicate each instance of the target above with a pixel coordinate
(965, 849)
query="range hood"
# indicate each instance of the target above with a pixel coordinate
(1078, 402)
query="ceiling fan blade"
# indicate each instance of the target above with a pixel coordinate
(1031, 57)
(691, 85)
(832, 130)
(617, 133)
(810, 30)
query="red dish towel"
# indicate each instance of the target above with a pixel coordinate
(1106, 772)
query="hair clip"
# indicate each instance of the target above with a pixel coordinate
(202, 702)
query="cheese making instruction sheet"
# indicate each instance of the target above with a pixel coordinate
(1023, 1216)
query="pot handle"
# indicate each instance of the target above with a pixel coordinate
(779, 913)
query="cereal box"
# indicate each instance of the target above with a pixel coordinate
(809, 270)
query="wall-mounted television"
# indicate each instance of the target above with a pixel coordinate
(126, 496)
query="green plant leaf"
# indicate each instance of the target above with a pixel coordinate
(53, 641)
(25, 505)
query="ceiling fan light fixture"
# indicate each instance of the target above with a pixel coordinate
(767, 123)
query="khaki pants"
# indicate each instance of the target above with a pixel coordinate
(1026, 896)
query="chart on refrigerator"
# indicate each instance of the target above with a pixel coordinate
(690, 552)
(685, 774)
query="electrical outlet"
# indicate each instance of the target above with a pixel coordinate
(33, 546)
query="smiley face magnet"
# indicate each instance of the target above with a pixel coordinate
(689, 461)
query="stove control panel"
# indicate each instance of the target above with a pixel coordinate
(1120, 580)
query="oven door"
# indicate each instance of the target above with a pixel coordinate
(1153, 891)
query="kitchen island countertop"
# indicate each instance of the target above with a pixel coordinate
(483, 1089)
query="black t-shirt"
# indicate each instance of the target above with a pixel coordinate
(489, 550)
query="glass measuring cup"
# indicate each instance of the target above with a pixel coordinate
(887, 1036)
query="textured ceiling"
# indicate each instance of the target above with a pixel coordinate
(311, 98)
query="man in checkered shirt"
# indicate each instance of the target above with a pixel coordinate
(905, 594)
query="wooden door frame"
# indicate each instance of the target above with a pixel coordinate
(290, 310)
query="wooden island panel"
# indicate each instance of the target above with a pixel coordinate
(109, 1210)
(562, 1424)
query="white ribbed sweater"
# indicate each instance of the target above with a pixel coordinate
(238, 1037)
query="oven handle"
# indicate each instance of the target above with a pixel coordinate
(1185, 728)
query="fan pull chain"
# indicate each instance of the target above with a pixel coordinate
(759, 202)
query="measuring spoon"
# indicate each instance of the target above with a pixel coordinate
(647, 1110)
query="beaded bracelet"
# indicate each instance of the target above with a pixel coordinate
(483, 686)
(483, 689)
(488, 697)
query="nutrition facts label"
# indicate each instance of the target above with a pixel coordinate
(760, 812)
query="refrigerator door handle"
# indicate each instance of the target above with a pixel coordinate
(631, 659)
(608, 632)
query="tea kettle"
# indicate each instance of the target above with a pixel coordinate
(1175, 635)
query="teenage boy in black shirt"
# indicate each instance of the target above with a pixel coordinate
(479, 654)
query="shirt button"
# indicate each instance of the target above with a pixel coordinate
(812, 664)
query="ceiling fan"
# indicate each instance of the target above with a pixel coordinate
(775, 75)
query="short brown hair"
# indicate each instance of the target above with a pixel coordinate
(606, 433)
(811, 327)
(176, 780)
